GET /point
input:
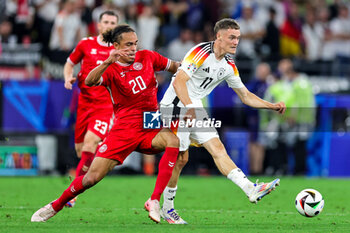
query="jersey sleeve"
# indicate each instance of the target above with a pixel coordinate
(106, 77)
(233, 79)
(159, 62)
(195, 58)
(77, 55)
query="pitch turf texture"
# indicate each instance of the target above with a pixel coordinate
(209, 204)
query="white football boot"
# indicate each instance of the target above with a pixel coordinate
(171, 216)
(153, 207)
(262, 189)
(43, 214)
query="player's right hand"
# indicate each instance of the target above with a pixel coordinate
(116, 53)
(68, 84)
(190, 115)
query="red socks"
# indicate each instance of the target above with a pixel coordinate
(84, 164)
(75, 188)
(165, 170)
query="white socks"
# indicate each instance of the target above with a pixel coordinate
(241, 180)
(169, 196)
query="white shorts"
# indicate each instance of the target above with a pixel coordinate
(199, 133)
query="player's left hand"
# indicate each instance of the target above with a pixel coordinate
(280, 107)
(68, 84)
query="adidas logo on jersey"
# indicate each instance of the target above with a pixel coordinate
(93, 51)
(206, 70)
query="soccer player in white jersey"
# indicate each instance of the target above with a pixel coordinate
(202, 69)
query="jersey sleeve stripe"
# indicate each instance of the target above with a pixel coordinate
(101, 81)
(235, 70)
(70, 61)
(198, 55)
(201, 52)
(110, 92)
(168, 65)
(233, 65)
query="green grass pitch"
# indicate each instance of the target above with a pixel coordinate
(209, 204)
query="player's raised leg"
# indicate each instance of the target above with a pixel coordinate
(168, 212)
(228, 168)
(165, 139)
(99, 168)
(87, 151)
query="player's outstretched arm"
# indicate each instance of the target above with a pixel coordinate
(94, 76)
(173, 66)
(254, 101)
(69, 80)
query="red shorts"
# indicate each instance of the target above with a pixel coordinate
(121, 142)
(97, 121)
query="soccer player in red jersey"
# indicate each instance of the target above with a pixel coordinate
(95, 108)
(129, 77)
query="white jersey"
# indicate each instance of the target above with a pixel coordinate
(205, 72)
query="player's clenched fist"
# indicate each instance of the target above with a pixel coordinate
(68, 83)
(280, 107)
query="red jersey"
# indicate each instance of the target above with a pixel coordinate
(133, 87)
(91, 52)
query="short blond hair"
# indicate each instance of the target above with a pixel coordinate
(226, 23)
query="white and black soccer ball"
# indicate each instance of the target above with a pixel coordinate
(309, 202)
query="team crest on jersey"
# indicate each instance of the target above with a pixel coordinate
(93, 51)
(103, 148)
(221, 73)
(137, 66)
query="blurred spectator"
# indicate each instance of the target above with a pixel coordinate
(46, 12)
(148, 28)
(291, 33)
(313, 34)
(257, 86)
(327, 49)
(212, 10)
(180, 46)
(334, 8)
(251, 31)
(131, 16)
(107, 5)
(270, 47)
(66, 31)
(302, 118)
(195, 15)
(6, 35)
(88, 25)
(2, 9)
(198, 37)
(21, 15)
(291, 132)
(340, 28)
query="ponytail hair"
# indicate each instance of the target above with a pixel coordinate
(115, 35)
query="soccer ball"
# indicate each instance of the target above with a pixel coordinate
(309, 202)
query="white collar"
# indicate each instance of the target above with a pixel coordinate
(101, 42)
(123, 64)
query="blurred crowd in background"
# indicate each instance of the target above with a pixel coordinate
(316, 31)
(283, 43)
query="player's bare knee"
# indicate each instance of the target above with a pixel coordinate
(90, 180)
(219, 151)
(181, 161)
(90, 146)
